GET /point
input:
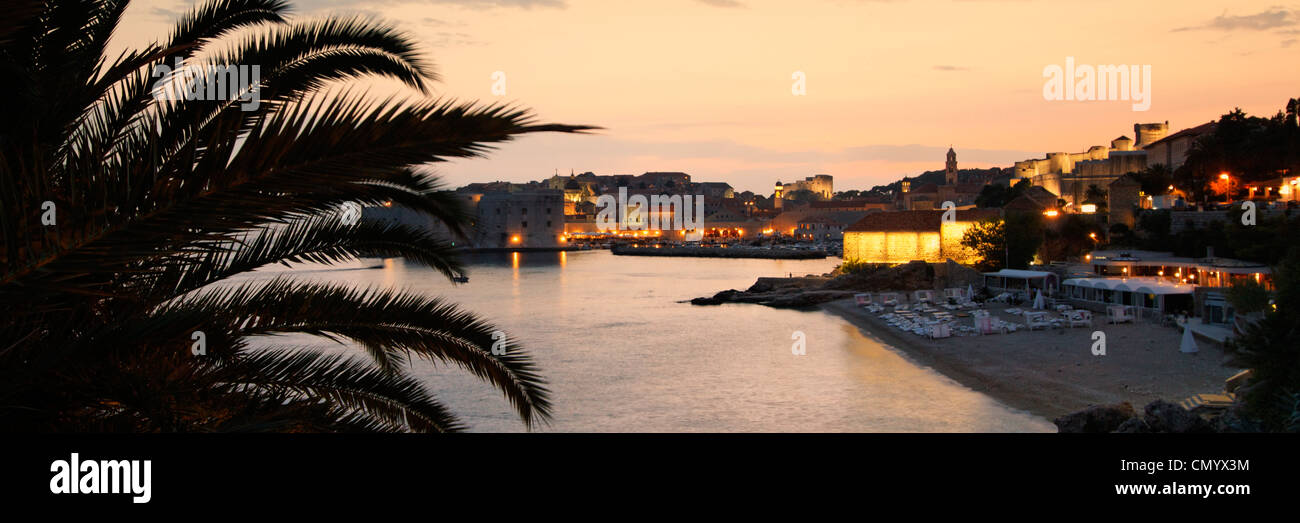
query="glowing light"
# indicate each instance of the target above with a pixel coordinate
(1223, 176)
(515, 239)
(388, 203)
(1088, 208)
(1050, 214)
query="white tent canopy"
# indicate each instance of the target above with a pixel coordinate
(1142, 285)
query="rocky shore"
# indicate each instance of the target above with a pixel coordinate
(809, 291)
(1158, 416)
(720, 252)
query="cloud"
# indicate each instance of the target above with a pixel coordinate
(1272, 18)
(950, 68)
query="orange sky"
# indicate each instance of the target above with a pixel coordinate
(704, 86)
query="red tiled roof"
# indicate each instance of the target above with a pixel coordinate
(915, 221)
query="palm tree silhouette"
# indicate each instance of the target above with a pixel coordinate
(123, 213)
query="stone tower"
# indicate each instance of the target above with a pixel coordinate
(777, 197)
(950, 171)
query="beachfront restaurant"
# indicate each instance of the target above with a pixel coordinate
(1021, 281)
(1151, 296)
(1208, 272)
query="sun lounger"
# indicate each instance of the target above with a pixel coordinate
(1037, 320)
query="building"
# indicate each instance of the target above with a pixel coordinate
(1171, 151)
(1280, 189)
(1068, 175)
(821, 228)
(903, 236)
(822, 184)
(1122, 201)
(932, 196)
(525, 219)
(1149, 278)
(502, 219)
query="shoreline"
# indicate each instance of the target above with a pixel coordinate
(1052, 372)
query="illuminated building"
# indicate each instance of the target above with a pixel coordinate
(903, 236)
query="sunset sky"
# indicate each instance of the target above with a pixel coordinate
(704, 86)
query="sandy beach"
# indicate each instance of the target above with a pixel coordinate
(1053, 372)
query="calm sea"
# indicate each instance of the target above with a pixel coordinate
(623, 353)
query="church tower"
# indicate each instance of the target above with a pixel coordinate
(950, 171)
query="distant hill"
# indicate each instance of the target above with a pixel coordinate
(936, 177)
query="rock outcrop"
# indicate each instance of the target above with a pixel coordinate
(1158, 416)
(811, 290)
(1097, 418)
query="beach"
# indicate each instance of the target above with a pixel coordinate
(1054, 372)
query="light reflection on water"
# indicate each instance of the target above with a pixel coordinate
(622, 353)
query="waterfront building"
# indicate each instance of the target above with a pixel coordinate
(903, 236)
(526, 219)
(822, 227)
(1204, 280)
(501, 219)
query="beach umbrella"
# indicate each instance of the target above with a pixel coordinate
(1188, 345)
(1038, 300)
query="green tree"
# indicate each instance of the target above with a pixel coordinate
(1271, 348)
(1004, 243)
(159, 202)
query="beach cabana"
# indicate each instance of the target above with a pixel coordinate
(889, 298)
(1119, 314)
(923, 296)
(1037, 320)
(1021, 281)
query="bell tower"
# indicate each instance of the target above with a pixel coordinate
(950, 169)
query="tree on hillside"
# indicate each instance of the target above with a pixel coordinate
(804, 195)
(1247, 148)
(997, 196)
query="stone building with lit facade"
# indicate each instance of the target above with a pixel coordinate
(903, 236)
